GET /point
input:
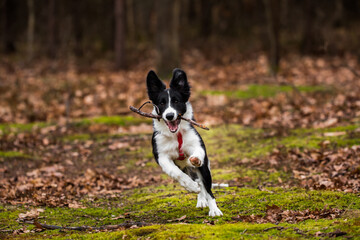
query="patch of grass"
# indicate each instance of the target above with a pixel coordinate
(112, 120)
(100, 136)
(77, 137)
(258, 90)
(345, 128)
(227, 231)
(168, 203)
(12, 154)
(8, 216)
(161, 204)
(21, 127)
(249, 177)
(165, 204)
(231, 143)
(84, 122)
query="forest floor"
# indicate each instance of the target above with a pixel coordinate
(72, 155)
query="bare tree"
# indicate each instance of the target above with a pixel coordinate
(167, 33)
(120, 38)
(130, 19)
(51, 48)
(8, 10)
(272, 8)
(206, 17)
(308, 41)
(30, 29)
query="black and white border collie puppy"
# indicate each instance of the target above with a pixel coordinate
(177, 146)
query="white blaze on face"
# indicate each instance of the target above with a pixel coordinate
(169, 109)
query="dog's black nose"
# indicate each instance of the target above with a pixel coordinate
(170, 116)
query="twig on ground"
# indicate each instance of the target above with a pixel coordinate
(86, 228)
(276, 227)
(150, 115)
(298, 231)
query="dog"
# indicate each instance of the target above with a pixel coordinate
(177, 147)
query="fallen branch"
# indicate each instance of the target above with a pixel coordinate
(276, 227)
(150, 115)
(86, 228)
(280, 228)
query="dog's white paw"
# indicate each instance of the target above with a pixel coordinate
(191, 186)
(201, 202)
(215, 212)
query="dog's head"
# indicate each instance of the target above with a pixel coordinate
(171, 102)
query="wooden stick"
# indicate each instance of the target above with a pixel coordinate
(195, 123)
(150, 115)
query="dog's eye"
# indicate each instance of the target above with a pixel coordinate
(176, 101)
(162, 103)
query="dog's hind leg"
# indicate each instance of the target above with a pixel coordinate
(205, 176)
(196, 176)
(201, 198)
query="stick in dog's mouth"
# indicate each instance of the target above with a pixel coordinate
(173, 125)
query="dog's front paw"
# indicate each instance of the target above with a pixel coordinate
(215, 212)
(195, 161)
(191, 186)
(201, 202)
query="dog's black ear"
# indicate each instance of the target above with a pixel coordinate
(154, 86)
(180, 83)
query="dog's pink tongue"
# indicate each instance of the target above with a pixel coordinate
(173, 125)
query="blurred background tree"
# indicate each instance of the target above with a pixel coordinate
(107, 29)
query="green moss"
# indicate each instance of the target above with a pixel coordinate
(80, 137)
(8, 216)
(85, 122)
(112, 120)
(258, 90)
(344, 128)
(241, 230)
(12, 154)
(19, 127)
(232, 143)
(227, 231)
(100, 136)
(249, 177)
(165, 204)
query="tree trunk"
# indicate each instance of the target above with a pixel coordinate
(51, 45)
(272, 8)
(76, 18)
(130, 19)
(308, 41)
(8, 10)
(167, 33)
(206, 17)
(30, 29)
(120, 38)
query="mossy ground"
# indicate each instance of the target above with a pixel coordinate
(84, 122)
(12, 154)
(165, 204)
(265, 91)
(229, 148)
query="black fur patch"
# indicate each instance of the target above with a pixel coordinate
(155, 151)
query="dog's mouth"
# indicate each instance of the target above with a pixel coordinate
(173, 125)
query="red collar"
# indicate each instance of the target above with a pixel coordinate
(180, 141)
